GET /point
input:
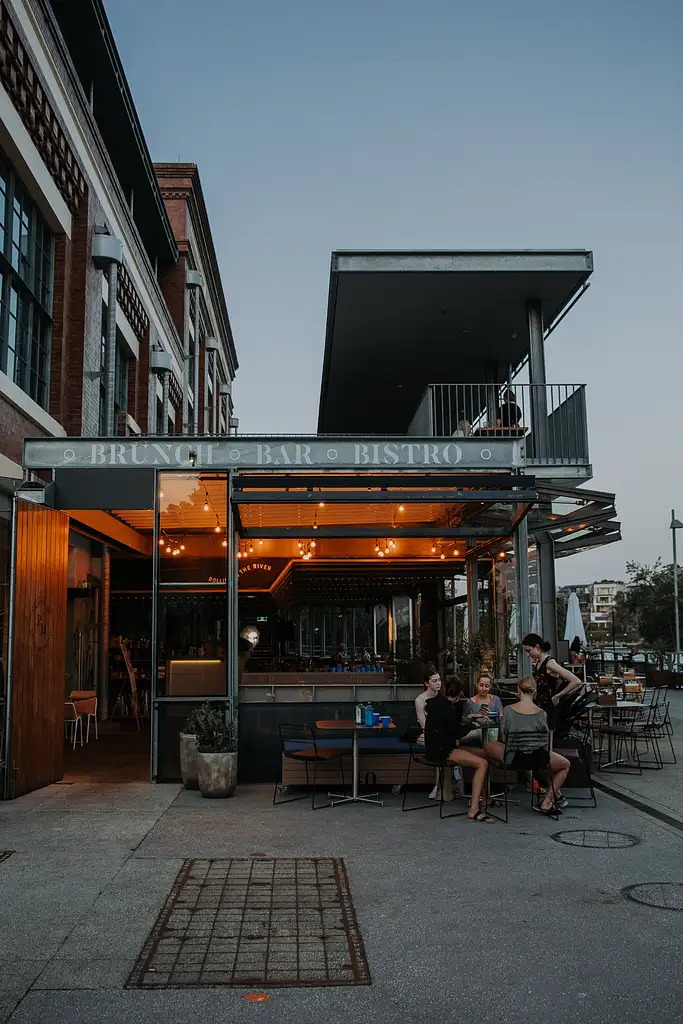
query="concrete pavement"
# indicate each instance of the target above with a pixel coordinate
(459, 920)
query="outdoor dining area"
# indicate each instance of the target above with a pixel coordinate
(615, 726)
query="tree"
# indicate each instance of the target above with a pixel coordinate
(650, 599)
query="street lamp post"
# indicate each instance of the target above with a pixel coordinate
(676, 524)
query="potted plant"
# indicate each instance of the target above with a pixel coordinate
(474, 651)
(188, 751)
(216, 753)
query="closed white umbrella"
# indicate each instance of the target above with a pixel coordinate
(574, 625)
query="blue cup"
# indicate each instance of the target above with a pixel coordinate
(385, 721)
(375, 718)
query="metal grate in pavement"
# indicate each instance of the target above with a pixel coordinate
(279, 922)
(662, 895)
(595, 839)
(4, 854)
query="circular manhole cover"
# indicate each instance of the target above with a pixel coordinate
(662, 895)
(595, 839)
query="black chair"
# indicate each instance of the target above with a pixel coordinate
(298, 743)
(657, 727)
(579, 753)
(628, 735)
(417, 756)
(536, 772)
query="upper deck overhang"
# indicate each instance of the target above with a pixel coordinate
(398, 321)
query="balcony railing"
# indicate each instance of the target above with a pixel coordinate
(551, 418)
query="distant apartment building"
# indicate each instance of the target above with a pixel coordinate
(597, 600)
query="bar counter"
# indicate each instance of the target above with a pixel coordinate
(312, 687)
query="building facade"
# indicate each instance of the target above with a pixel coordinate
(113, 319)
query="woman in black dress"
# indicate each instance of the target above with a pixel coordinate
(553, 682)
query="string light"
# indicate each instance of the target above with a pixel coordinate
(225, 544)
(161, 494)
(401, 508)
(162, 541)
(321, 504)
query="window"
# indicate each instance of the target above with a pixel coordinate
(26, 266)
(120, 377)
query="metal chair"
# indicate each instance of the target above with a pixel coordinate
(298, 742)
(628, 735)
(578, 752)
(85, 702)
(72, 722)
(654, 730)
(417, 755)
(506, 767)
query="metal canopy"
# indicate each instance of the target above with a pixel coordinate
(398, 321)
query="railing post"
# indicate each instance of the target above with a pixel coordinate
(537, 381)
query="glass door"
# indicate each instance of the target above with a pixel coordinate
(193, 619)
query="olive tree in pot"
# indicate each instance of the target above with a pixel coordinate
(188, 752)
(216, 753)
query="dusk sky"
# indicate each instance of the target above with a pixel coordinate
(375, 124)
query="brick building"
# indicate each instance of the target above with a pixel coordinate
(112, 313)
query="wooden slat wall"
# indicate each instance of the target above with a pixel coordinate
(38, 686)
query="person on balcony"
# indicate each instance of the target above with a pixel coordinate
(509, 414)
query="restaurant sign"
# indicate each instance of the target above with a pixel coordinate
(345, 453)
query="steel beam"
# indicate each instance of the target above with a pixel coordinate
(409, 479)
(305, 532)
(314, 498)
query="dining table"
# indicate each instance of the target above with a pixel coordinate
(622, 706)
(356, 730)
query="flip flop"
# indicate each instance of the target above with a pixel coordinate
(549, 813)
(481, 817)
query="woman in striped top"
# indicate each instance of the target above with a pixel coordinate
(526, 742)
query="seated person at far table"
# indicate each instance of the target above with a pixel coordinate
(484, 703)
(525, 744)
(444, 730)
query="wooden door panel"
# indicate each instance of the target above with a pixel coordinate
(39, 646)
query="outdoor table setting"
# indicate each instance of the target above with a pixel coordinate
(621, 706)
(382, 727)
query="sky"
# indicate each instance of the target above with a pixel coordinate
(439, 124)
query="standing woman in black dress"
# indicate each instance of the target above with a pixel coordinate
(553, 682)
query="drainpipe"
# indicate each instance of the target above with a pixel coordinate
(193, 280)
(225, 390)
(107, 254)
(160, 362)
(210, 356)
(103, 674)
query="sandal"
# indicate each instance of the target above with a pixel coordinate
(482, 817)
(551, 812)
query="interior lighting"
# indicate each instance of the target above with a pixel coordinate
(217, 528)
(442, 556)
(239, 554)
(455, 552)
(501, 554)
(381, 554)
(251, 548)
(225, 544)
(182, 547)
(162, 542)
(260, 542)
(161, 494)
(433, 549)
(401, 508)
(321, 504)
(312, 543)
(206, 506)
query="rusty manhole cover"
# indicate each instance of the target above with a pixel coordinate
(662, 895)
(4, 854)
(595, 839)
(255, 922)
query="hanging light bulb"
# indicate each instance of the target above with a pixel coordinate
(161, 494)
(239, 553)
(377, 547)
(433, 549)
(162, 541)
(312, 543)
(321, 504)
(251, 548)
(182, 547)
(217, 528)
(381, 554)
(260, 542)
(401, 508)
(225, 544)
(442, 556)
(392, 543)
(455, 552)
(206, 506)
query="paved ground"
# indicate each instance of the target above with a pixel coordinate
(496, 923)
(660, 790)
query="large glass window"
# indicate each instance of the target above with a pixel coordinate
(26, 268)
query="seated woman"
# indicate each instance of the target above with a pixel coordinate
(484, 703)
(526, 741)
(444, 729)
(431, 682)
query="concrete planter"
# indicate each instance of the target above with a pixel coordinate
(188, 760)
(217, 774)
